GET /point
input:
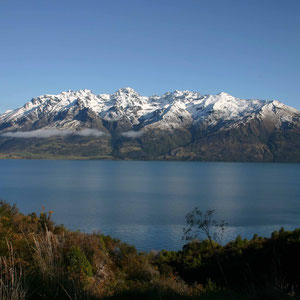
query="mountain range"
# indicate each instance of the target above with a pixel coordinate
(179, 125)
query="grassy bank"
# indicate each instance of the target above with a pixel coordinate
(41, 260)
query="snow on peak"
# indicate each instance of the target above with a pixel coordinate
(172, 109)
(224, 94)
(125, 91)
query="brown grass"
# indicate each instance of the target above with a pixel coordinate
(12, 283)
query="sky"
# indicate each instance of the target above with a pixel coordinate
(247, 48)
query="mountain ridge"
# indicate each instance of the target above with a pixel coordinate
(175, 125)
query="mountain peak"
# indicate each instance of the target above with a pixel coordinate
(126, 90)
(224, 94)
(85, 91)
(179, 124)
(170, 110)
(72, 92)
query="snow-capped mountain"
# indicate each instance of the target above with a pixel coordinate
(179, 120)
(171, 110)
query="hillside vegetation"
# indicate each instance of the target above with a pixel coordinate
(41, 260)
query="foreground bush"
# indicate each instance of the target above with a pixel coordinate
(40, 260)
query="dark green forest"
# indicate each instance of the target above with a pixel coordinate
(42, 260)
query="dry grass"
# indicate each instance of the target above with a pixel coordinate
(47, 254)
(12, 282)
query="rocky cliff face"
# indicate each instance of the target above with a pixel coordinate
(179, 125)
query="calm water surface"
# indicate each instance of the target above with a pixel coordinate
(144, 203)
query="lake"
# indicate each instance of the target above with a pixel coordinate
(145, 203)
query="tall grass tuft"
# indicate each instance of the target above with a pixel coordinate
(53, 277)
(12, 282)
(47, 254)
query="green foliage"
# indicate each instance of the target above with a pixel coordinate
(192, 260)
(50, 262)
(78, 265)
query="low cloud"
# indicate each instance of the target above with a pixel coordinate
(47, 133)
(40, 133)
(132, 134)
(89, 132)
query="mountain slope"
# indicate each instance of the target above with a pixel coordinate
(178, 125)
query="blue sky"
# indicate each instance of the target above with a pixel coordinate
(248, 48)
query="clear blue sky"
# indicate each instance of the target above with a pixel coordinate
(248, 48)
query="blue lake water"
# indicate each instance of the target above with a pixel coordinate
(144, 203)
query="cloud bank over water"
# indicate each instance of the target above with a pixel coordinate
(47, 133)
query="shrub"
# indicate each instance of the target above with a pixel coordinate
(79, 268)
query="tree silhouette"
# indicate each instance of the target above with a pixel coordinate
(200, 222)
